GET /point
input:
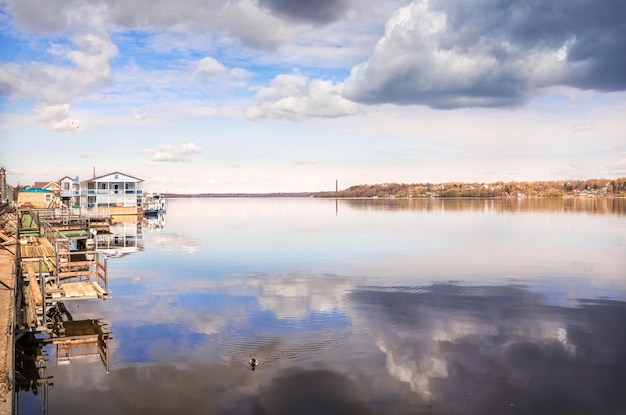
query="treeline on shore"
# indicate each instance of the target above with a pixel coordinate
(554, 189)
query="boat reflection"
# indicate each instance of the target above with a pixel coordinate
(154, 222)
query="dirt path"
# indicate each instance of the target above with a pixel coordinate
(7, 261)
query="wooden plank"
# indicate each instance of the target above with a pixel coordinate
(78, 291)
(56, 294)
(98, 289)
(33, 284)
(71, 274)
(83, 289)
(77, 264)
(82, 341)
(30, 309)
(70, 290)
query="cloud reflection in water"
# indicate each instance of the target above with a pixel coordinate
(476, 350)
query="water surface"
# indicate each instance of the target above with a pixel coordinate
(360, 307)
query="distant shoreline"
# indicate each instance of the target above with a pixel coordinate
(237, 195)
(328, 195)
(591, 188)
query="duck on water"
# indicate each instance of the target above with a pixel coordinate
(253, 363)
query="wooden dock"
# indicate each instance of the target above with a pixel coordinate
(51, 260)
(53, 271)
(77, 290)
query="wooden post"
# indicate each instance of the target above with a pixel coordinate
(106, 276)
(42, 281)
(56, 243)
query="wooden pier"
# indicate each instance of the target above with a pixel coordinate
(57, 263)
(47, 258)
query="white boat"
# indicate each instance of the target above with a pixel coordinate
(153, 204)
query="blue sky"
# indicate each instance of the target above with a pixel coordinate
(270, 96)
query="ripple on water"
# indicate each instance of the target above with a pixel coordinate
(277, 340)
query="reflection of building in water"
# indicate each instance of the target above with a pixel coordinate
(154, 222)
(121, 239)
(74, 339)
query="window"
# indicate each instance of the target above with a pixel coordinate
(48, 198)
(102, 186)
(66, 186)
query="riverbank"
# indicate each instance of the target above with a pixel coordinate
(7, 261)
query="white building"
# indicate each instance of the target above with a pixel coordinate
(69, 191)
(114, 190)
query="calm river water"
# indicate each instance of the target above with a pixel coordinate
(359, 307)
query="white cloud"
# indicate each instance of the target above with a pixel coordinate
(616, 168)
(173, 153)
(138, 115)
(295, 296)
(308, 161)
(294, 95)
(57, 118)
(209, 67)
(56, 87)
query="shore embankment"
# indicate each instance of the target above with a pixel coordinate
(7, 311)
(8, 245)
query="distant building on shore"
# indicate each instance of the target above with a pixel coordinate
(37, 198)
(6, 193)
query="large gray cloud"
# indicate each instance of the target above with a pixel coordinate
(449, 54)
(317, 11)
(593, 33)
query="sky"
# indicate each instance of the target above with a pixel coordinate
(222, 96)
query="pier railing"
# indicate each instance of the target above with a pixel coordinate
(73, 214)
(101, 271)
(74, 264)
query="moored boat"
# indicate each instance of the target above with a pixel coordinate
(153, 204)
